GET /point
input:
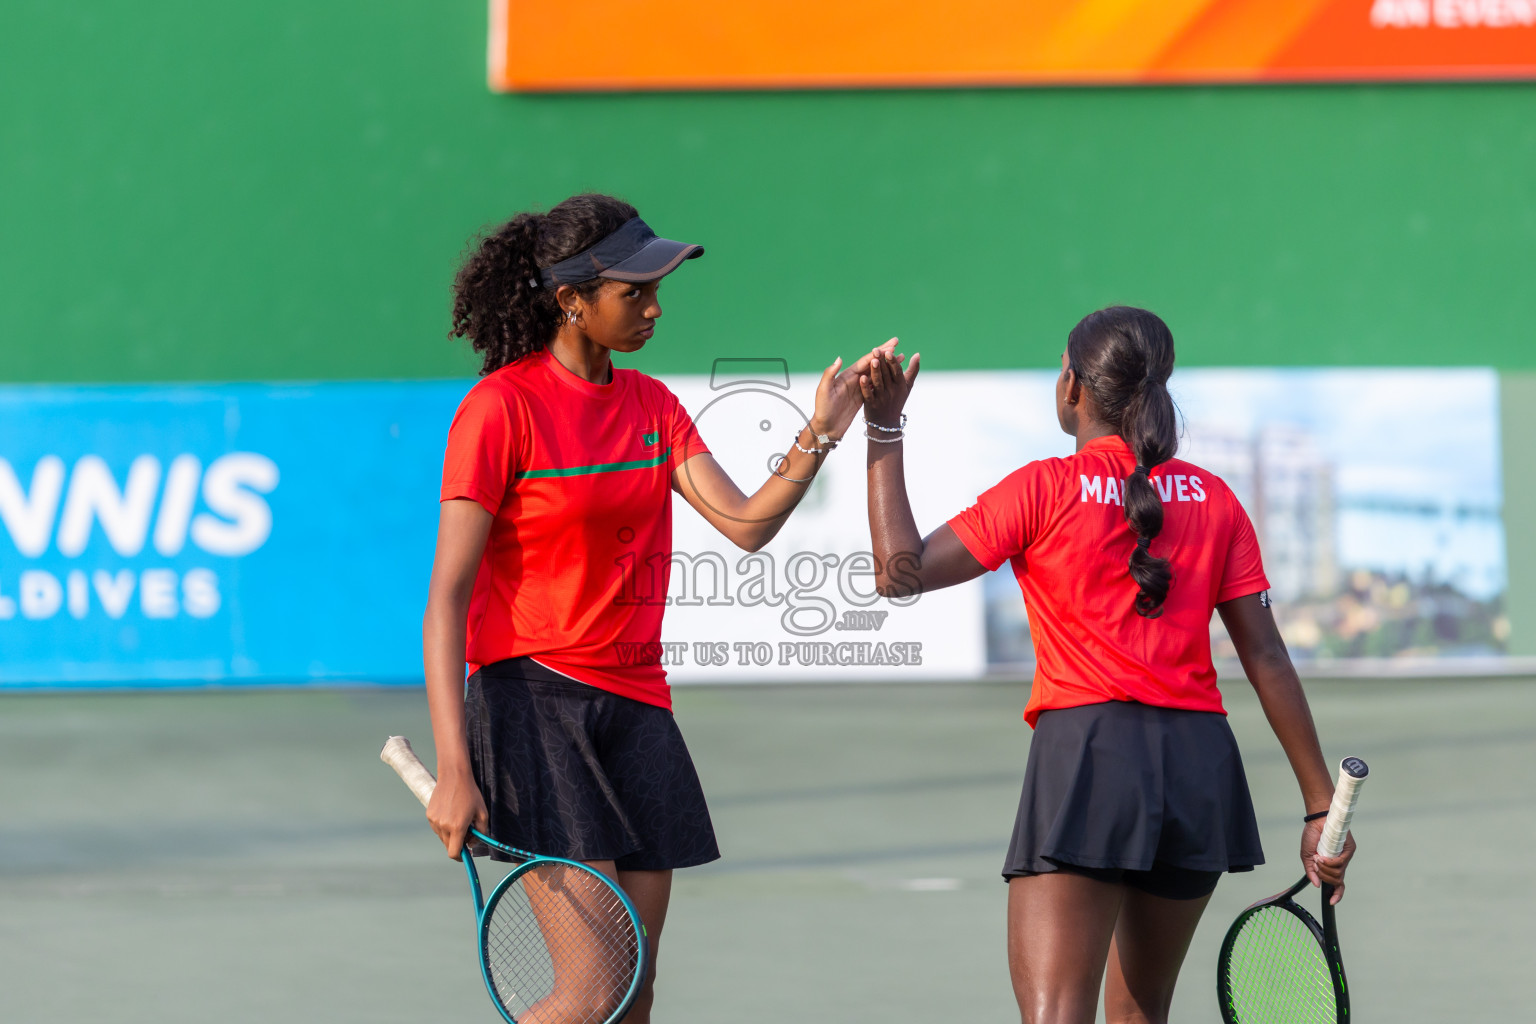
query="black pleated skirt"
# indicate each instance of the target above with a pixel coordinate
(1122, 785)
(570, 770)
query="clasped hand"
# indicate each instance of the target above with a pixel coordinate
(885, 386)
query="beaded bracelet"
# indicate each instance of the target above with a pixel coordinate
(824, 446)
(882, 440)
(1315, 815)
(889, 430)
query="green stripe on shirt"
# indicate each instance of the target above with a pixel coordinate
(603, 467)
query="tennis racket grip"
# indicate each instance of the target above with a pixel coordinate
(397, 753)
(1352, 774)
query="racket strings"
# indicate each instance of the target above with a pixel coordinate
(1277, 973)
(561, 947)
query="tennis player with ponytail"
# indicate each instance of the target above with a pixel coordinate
(553, 550)
(1134, 798)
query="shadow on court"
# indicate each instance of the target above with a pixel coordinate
(245, 857)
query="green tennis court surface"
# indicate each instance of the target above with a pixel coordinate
(245, 857)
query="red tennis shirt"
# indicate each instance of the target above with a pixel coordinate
(1061, 522)
(578, 477)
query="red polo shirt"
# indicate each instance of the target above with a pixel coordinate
(578, 477)
(1061, 523)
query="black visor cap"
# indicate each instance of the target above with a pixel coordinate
(632, 253)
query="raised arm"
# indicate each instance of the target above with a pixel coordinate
(751, 522)
(1251, 624)
(906, 563)
(462, 528)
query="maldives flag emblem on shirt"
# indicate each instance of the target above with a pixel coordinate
(652, 439)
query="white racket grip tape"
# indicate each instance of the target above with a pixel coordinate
(397, 753)
(1352, 775)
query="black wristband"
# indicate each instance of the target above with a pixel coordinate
(1315, 815)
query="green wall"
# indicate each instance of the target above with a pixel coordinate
(279, 190)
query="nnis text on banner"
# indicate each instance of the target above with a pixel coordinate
(236, 522)
(227, 533)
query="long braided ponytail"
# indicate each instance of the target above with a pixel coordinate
(1123, 356)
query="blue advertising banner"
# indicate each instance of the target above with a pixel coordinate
(222, 533)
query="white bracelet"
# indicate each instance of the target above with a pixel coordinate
(811, 451)
(883, 440)
(889, 430)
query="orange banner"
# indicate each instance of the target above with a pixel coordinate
(811, 44)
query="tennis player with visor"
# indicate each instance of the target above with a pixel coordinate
(1134, 798)
(553, 553)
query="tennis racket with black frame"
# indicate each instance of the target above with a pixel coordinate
(559, 943)
(1277, 965)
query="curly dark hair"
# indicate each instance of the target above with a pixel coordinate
(1123, 356)
(497, 303)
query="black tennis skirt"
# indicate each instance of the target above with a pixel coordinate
(1124, 786)
(570, 770)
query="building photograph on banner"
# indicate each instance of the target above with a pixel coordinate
(1376, 497)
(756, 44)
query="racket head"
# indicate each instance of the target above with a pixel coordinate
(1278, 967)
(556, 932)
